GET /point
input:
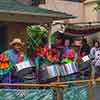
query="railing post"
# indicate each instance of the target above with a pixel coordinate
(90, 91)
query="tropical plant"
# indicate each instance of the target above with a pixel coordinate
(37, 35)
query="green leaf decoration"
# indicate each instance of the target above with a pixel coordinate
(35, 35)
(53, 38)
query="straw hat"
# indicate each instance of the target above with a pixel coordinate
(16, 41)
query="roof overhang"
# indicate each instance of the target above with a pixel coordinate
(13, 11)
(83, 28)
(28, 17)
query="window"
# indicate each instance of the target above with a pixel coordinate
(42, 1)
(73, 0)
(37, 2)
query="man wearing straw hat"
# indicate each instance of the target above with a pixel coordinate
(9, 58)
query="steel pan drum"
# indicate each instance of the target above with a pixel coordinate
(85, 62)
(62, 70)
(49, 72)
(24, 69)
(84, 66)
(71, 68)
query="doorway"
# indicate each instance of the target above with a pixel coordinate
(3, 37)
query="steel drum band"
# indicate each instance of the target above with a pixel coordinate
(51, 71)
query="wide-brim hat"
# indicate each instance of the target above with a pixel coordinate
(16, 41)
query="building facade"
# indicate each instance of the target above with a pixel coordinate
(16, 15)
(84, 10)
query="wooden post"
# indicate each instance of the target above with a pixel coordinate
(90, 91)
(58, 89)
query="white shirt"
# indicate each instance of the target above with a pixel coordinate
(95, 52)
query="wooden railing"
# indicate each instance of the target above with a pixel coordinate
(60, 85)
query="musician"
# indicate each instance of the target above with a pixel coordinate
(66, 47)
(71, 55)
(11, 57)
(85, 48)
(95, 52)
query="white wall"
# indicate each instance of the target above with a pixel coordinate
(84, 11)
(90, 12)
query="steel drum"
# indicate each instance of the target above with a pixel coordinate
(68, 69)
(24, 69)
(85, 62)
(62, 70)
(49, 72)
(87, 58)
(85, 67)
(71, 68)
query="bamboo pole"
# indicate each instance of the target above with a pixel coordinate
(77, 82)
(58, 89)
(59, 85)
(33, 85)
(90, 91)
(55, 84)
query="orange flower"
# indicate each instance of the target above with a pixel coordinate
(4, 61)
(3, 65)
(51, 58)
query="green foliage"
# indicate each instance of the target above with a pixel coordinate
(38, 35)
(53, 38)
(37, 31)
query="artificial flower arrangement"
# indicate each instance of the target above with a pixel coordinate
(4, 61)
(70, 56)
(5, 64)
(44, 55)
(37, 45)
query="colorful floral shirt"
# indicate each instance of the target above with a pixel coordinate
(8, 60)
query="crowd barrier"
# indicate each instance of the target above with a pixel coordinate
(80, 90)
